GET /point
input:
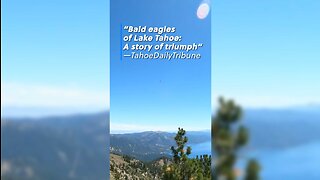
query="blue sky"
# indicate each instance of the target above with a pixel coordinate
(55, 54)
(160, 94)
(266, 53)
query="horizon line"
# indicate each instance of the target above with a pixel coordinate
(80, 111)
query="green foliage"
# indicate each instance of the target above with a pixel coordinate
(252, 171)
(242, 136)
(183, 167)
(228, 137)
(127, 158)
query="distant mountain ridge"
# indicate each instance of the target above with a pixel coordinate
(149, 145)
(278, 129)
(143, 146)
(76, 146)
(71, 147)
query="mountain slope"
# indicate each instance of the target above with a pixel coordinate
(283, 128)
(72, 147)
(148, 146)
(125, 167)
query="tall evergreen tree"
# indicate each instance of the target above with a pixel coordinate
(183, 167)
(228, 136)
(252, 171)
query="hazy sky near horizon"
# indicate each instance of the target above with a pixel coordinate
(56, 54)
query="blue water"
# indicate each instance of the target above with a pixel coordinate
(201, 149)
(297, 163)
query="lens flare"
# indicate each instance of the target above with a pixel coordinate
(203, 10)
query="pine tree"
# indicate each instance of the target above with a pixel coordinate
(228, 136)
(252, 171)
(183, 167)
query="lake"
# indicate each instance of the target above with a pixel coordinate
(296, 163)
(200, 149)
(302, 162)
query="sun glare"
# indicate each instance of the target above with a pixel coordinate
(203, 10)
